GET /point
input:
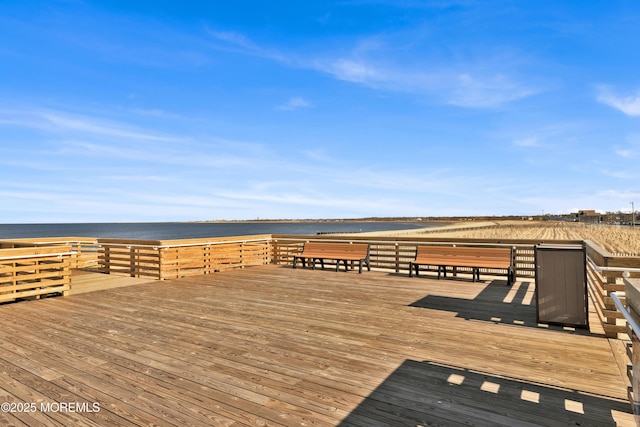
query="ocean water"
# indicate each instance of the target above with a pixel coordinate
(188, 230)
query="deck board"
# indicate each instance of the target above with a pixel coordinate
(272, 345)
(83, 281)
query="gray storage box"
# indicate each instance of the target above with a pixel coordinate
(561, 285)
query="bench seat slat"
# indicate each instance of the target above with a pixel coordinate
(463, 262)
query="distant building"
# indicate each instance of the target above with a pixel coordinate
(588, 216)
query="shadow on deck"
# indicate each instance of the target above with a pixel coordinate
(422, 393)
(497, 303)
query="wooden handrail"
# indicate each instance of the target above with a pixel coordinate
(43, 255)
(180, 245)
(401, 241)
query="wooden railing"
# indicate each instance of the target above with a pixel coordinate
(605, 276)
(170, 259)
(85, 250)
(167, 259)
(35, 271)
(629, 310)
(395, 254)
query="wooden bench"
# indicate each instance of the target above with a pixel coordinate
(474, 258)
(338, 251)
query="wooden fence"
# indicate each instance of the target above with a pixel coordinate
(85, 250)
(34, 272)
(605, 276)
(170, 259)
(395, 254)
(632, 317)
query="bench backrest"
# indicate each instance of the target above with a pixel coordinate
(450, 251)
(337, 248)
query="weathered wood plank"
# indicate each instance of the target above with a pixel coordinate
(271, 345)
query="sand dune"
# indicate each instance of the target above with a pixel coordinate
(619, 240)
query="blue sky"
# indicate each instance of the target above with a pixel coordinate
(179, 111)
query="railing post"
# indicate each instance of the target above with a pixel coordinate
(206, 253)
(66, 275)
(514, 254)
(132, 262)
(160, 263)
(107, 259)
(275, 251)
(242, 254)
(397, 248)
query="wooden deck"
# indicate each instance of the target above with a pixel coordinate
(272, 345)
(83, 281)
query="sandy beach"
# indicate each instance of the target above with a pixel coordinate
(619, 240)
(455, 227)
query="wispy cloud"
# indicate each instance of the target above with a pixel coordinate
(528, 141)
(239, 42)
(93, 126)
(628, 153)
(549, 136)
(486, 92)
(618, 174)
(370, 63)
(57, 121)
(352, 70)
(307, 199)
(78, 139)
(295, 103)
(461, 89)
(629, 105)
(318, 155)
(631, 150)
(624, 195)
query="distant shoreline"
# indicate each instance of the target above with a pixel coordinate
(236, 221)
(284, 221)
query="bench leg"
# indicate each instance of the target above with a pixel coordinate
(360, 268)
(295, 259)
(321, 263)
